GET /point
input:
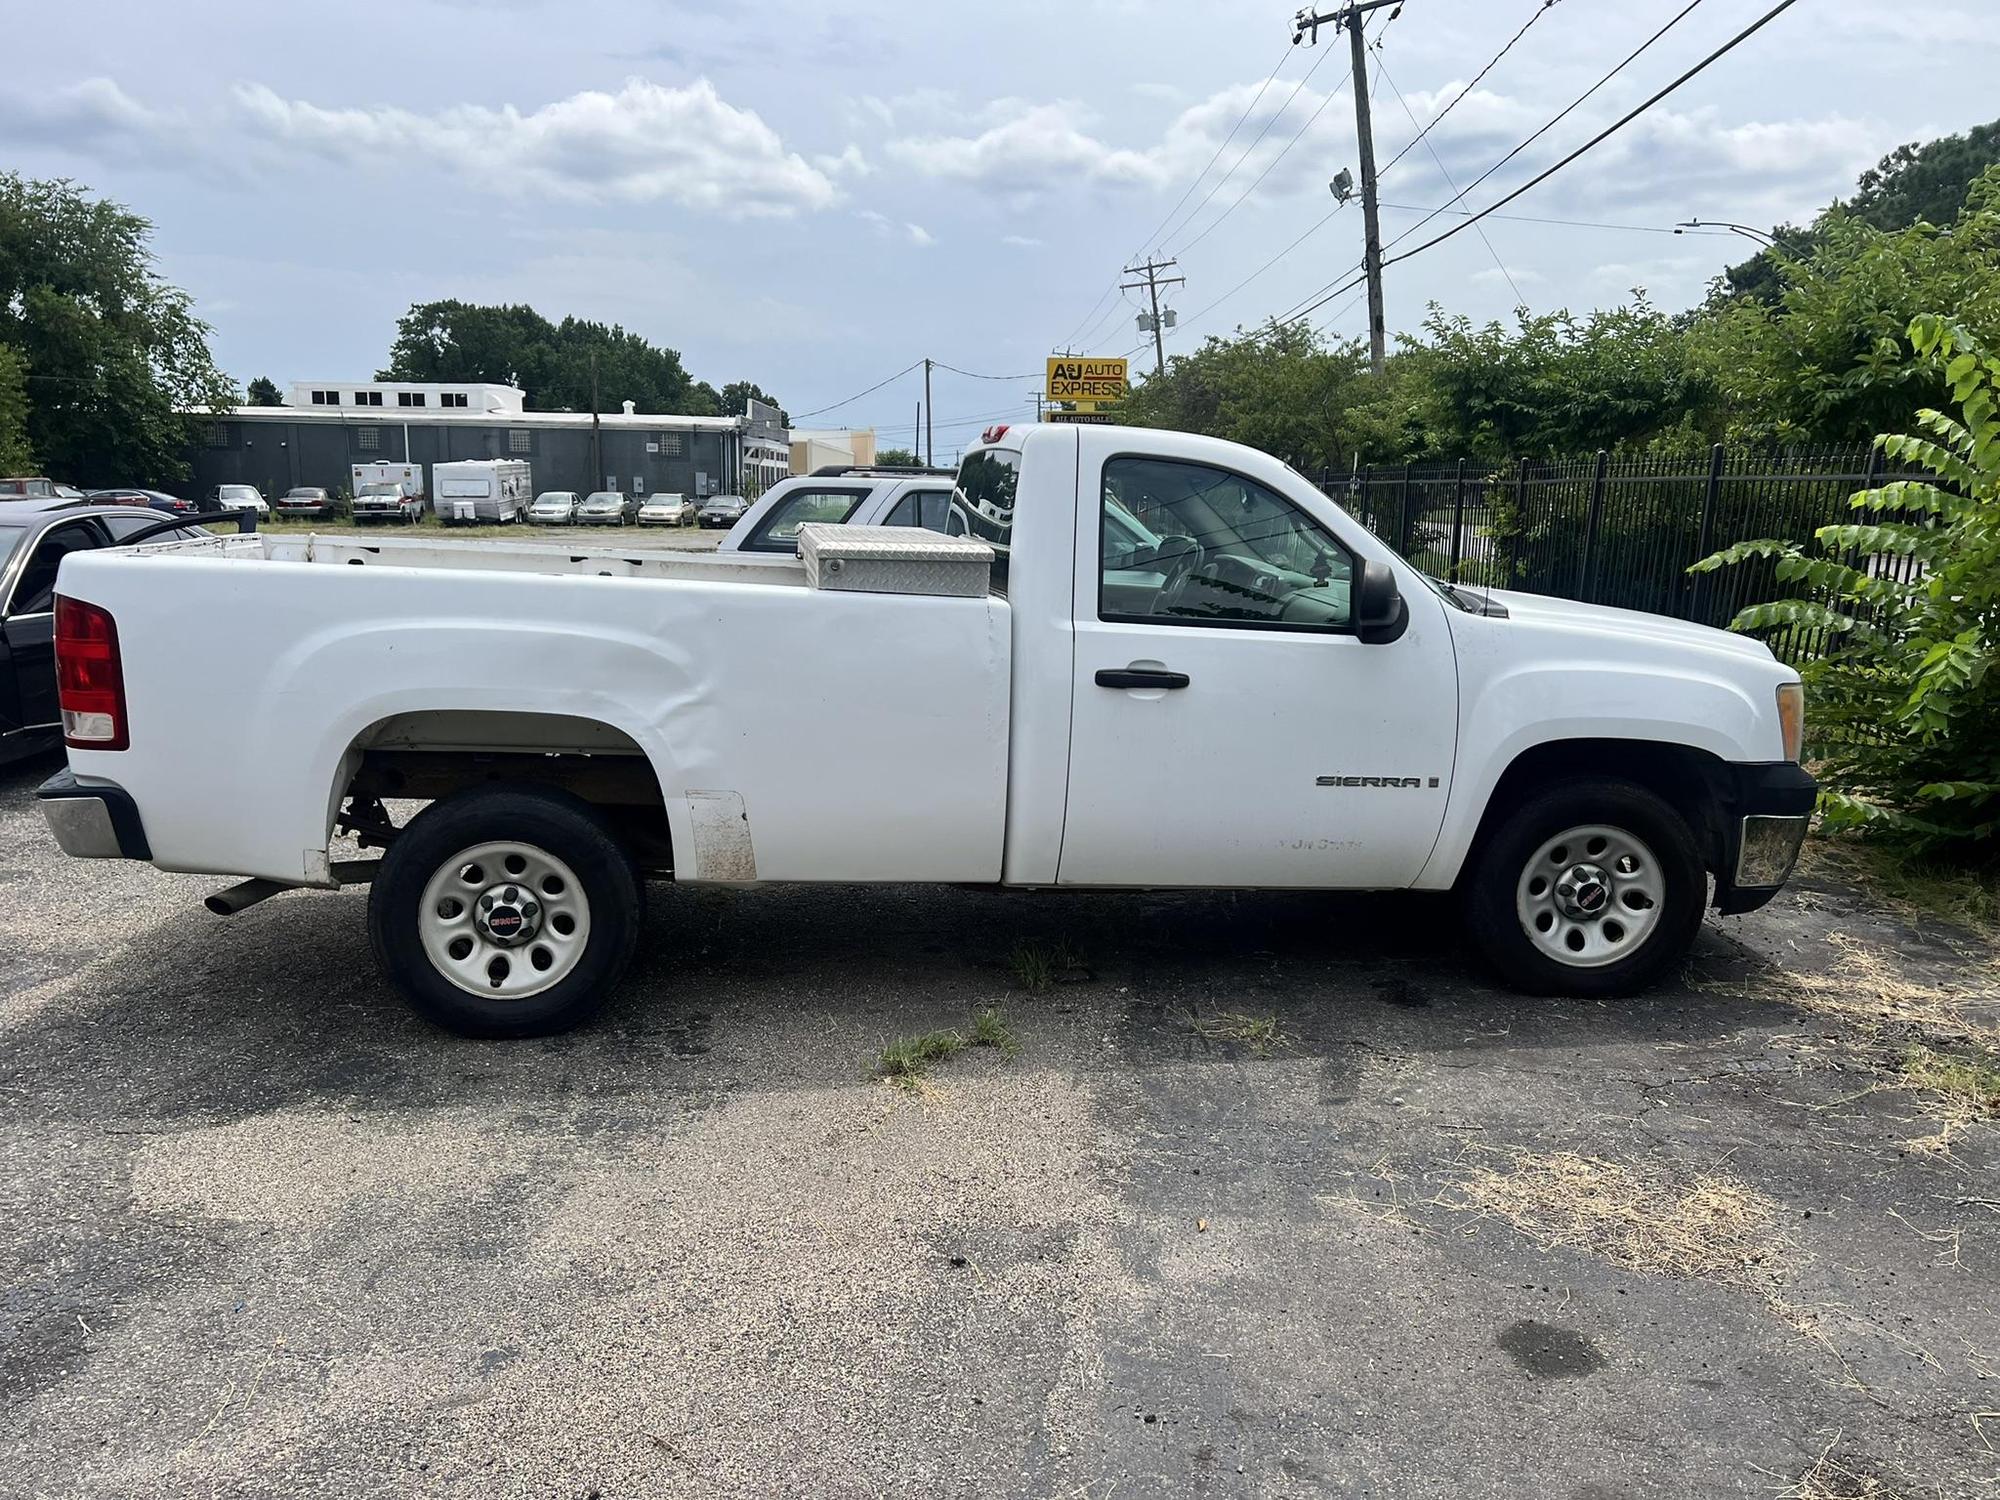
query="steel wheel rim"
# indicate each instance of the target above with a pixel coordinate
(504, 920)
(1590, 896)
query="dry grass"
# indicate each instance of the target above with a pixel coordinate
(1913, 889)
(1642, 1219)
(1830, 1479)
(1956, 1091)
(1261, 1034)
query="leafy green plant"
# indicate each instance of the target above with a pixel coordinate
(1906, 707)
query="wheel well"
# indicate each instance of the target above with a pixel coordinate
(1690, 781)
(429, 756)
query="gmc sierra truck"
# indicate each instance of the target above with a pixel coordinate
(1153, 660)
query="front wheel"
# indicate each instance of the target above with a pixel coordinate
(1587, 888)
(505, 912)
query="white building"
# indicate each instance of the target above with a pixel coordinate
(406, 395)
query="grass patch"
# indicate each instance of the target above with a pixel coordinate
(905, 1061)
(1955, 1090)
(1039, 963)
(1709, 1226)
(1914, 888)
(990, 1029)
(1261, 1034)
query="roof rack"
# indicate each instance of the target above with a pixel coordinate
(836, 471)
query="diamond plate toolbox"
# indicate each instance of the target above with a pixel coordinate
(894, 560)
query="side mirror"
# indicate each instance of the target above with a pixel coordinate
(1380, 614)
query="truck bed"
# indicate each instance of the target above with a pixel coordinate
(795, 733)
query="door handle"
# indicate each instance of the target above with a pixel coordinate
(1128, 677)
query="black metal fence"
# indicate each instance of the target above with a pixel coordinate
(1611, 531)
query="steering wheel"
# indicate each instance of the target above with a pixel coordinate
(1178, 557)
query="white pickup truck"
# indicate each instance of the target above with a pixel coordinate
(1189, 669)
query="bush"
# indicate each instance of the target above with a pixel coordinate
(1906, 711)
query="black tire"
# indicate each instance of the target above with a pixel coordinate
(1495, 879)
(549, 820)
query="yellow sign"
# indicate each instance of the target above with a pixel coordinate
(1085, 381)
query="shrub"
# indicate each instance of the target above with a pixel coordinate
(1906, 709)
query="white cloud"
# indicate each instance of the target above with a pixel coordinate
(1513, 275)
(95, 117)
(645, 143)
(1021, 241)
(916, 234)
(849, 163)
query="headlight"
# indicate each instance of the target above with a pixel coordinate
(1792, 717)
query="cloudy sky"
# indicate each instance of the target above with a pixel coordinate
(815, 195)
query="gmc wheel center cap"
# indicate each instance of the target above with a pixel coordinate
(509, 915)
(1585, 892)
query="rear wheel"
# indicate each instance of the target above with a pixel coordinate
(505, 912)
(1591, 888)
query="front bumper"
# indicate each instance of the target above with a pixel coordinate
(92, 822)
(1766, 811)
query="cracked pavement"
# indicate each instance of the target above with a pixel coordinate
(265, 1234)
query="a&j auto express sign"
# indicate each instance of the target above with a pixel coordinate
(1086, 382)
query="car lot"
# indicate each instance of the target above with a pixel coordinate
(1277, 1197)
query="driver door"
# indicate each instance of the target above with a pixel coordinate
(1229, 727)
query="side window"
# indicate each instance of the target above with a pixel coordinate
(925, 508)
(36, 591)
(1183, 543)
(779, 531)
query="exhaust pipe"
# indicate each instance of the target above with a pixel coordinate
(227, 903)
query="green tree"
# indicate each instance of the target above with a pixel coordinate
(1927, 183)
(263, 391)
(898, 458)
(1908, 707)
(1827, 361)
(553, 363)
(16, 456)
(1555, 385)
(738, 393)
(1284, 390)
(118, 367)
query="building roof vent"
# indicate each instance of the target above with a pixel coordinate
(630, 407)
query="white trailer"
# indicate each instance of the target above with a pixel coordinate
(482, 489)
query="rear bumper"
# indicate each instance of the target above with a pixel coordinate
(1766, 813)
(92, 822)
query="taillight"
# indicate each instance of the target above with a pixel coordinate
(90, 683)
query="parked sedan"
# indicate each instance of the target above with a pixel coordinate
(159, 500)
(36, 534)
(308, 502)
(554, 508)
(238, 497)
(668, 510)
(723, 510)
(604, 508)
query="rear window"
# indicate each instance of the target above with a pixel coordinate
(779, 531)
(982, 504)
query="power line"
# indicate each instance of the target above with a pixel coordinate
(1412, 208)
(1332, 95)
(1196, 317)
(1186, 193)
(849, 401)
(1621, 123)
(1568, 110)
(971, 375)
(1250, 151)
(1542, 9)
(1382, 70)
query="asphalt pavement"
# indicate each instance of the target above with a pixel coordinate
(1276, 1196)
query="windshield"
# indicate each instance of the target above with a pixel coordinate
(369, 491)
(605, 497)
(554, 497)
(237, 491)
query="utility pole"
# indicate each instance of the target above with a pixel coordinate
(930, 446)
(1348, 18)
(596, 447)
(1153, 282)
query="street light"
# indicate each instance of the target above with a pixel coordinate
(1756, 236)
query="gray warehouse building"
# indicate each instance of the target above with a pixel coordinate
(325, 428)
